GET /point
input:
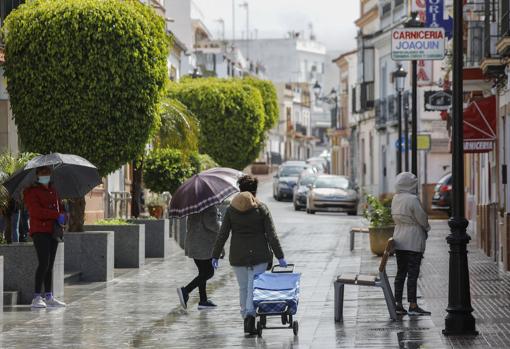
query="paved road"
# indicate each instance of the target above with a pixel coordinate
(139, 309)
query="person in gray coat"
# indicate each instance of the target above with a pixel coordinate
(202, 229)
(411, 232)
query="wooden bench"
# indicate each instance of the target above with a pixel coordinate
(380, 280)
(355, 230)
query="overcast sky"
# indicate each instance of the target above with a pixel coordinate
(333, 20)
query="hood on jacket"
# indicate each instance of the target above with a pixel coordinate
(244, 201)
(406, 182)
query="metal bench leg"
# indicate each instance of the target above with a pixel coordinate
(388, 296)
(352, 239)
(339, 301)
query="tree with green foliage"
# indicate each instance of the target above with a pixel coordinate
(179, 127)
(86, 77)
(269, 98)
(231, 115)
(166, 169)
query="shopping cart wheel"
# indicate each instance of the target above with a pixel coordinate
(284, 319)
(263, 320)
(295, 328)
(259, 329)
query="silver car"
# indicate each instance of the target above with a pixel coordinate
(333, 194)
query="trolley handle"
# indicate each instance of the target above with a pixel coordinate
(280, 270)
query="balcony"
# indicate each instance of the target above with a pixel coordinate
(392, 110)
(491, 63)
(503, 45)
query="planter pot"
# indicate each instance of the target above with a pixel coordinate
(259, 168)
(157, 237)
(156, 211)
(379, 238)
(128, 243)
(91, 253)
(20, 263)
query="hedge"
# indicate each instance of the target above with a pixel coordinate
(165, 169)
(231, 116)
(269, 98)
(86, 77)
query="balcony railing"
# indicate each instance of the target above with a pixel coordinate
(505, 18)
(392, 110)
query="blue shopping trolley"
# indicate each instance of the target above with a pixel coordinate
(277, 294)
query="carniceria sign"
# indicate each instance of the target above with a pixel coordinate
(409, 44)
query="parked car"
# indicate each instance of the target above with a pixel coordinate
(304, 183)
(286, 178)
(442, 198)
(320, 163)
(333, 194)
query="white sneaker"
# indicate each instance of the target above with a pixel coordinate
(38, 302)
(54, 303)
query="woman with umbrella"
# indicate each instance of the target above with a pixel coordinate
(197, 199)
(45, 210)
(43, 182)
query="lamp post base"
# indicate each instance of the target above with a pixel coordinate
(459, 323)
(459, 320)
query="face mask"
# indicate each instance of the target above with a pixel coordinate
(44, 180)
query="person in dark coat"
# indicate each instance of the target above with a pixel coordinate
(202, 229)
(45, 210)
(253, 232)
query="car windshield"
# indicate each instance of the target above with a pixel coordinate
(291, 171)
(307, 180)
(332, 182)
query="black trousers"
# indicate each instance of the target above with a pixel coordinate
(408, 265)
(46, 248)
(205, 272)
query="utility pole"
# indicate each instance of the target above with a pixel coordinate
(246, 7)
(459, 320)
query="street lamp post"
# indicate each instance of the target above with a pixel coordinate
(399, 77)
(414, 22)
(459, 320)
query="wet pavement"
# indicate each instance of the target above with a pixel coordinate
(140, 309)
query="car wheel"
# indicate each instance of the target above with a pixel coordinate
(279, 197)
(310, 211)
(352, 213)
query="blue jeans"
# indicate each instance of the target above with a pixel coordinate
(245, 276)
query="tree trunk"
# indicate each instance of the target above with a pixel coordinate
(76, 214)
(136, 188)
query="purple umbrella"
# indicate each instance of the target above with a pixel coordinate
(204, 190)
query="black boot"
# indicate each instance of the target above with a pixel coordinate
(250, 324)
(246, 330)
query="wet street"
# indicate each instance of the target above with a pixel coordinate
(140, 308)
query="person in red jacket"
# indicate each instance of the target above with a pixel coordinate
(45, 210)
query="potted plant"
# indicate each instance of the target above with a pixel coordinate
(381, 225)
(156, 206)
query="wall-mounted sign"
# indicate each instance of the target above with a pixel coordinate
(438, 100)
(424, 142)
(410, 44)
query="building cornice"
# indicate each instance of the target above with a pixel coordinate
(367, 17)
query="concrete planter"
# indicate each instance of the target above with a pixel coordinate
(157, 237)
(179, 227)
(91, 253)
(20, 263)
(1, 282)
(129, 243)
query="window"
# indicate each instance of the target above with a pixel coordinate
(399, 3)
(386, 9)
(6, 6)
(505, 18)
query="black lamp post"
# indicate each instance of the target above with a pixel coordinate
(414, 22)
(332, 98)
(399, 77)
(459, 320)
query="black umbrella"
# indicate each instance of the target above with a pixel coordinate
(72, 175)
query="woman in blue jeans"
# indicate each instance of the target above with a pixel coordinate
(253, 232)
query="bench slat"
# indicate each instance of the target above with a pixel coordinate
(347, 278)
(366, 280)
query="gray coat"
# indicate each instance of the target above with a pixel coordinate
(411, 220)
(202, 229)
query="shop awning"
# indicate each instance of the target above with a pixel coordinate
(480, 126)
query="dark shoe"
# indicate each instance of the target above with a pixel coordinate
(246, 328)
(417, 311)
(183, 297)
(400, 310)
(206, 305)
(251, 324)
